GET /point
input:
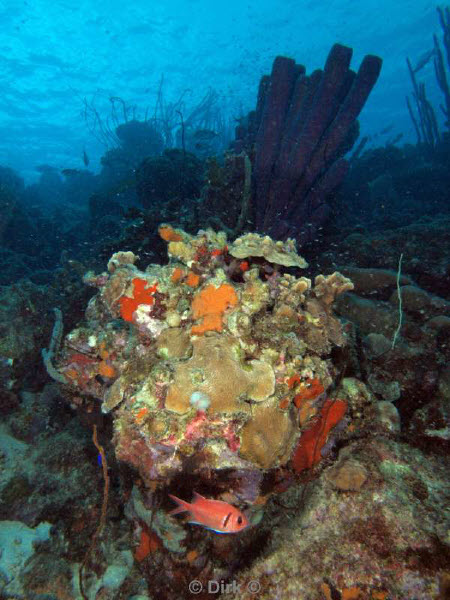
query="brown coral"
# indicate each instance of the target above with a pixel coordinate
(276, 252)
(327, 288)
(173, 343)
(215, 371)
(349, 475)
(115, 288)
(121, 258)
(267, 439)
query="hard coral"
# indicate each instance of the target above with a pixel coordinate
(267, 438)
(348, 475)
(279, 253)
(327, 288)
(174, 343)
(215, 370)
(119, 259)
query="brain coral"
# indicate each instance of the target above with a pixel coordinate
(268, 437)
(215, 370)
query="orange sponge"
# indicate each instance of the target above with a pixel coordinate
(141, 295)
(168, 234)
(311, 442)
(209, 305)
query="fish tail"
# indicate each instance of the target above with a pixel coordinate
(182, 506)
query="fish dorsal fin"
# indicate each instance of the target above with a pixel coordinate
(198, 497)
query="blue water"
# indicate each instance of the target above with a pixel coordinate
(55, 54)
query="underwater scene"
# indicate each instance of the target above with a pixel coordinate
(224, 300)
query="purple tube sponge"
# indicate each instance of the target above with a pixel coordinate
(302, 128)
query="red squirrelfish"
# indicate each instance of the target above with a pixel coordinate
(216, 515)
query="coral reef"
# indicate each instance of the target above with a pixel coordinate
(169, 179)
(391, 186)
(369, 528)
(425, 120)
(221, 372)
(409, 377)
(317, 405)
(48, 493)
(215, 367)
(192, 340)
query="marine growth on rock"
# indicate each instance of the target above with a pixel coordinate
(217, 362)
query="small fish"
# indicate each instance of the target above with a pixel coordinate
(387, 129)
(204, 135)
(85, 158)
(424, 59)
(70, 172)
(215, 515)
(45, 168)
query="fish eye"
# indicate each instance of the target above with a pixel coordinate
(239, 520)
